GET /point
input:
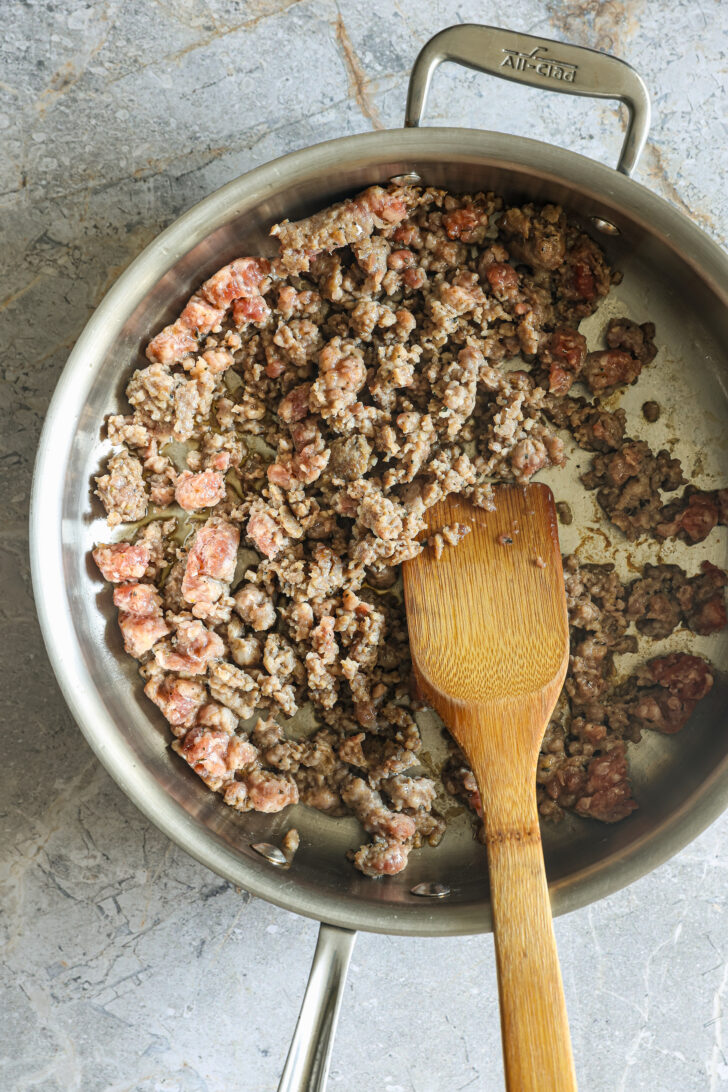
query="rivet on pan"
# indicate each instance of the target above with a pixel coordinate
(271, 853)
(411, 178)
(430, 890)
(605, 226)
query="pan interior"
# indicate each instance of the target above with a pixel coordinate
(680, 781)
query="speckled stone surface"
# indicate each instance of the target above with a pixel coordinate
(125, 965)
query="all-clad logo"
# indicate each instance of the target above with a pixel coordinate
(536, 62)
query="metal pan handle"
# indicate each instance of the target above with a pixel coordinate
(538, 62)
(307, 1064)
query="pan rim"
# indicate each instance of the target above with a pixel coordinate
(55, 612)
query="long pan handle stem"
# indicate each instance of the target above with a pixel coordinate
(309, 1057)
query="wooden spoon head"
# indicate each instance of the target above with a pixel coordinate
(487, 621)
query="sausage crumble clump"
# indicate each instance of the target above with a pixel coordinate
(283, 443)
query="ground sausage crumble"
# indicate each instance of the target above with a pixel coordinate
(325, 399)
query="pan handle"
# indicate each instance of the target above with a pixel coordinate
(307, 1064)
(538, 62)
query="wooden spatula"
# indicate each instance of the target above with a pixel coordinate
(489, 637)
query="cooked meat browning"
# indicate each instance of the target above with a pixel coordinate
(693, 515)
(629, 482)
(610, 368)
(583, 763)
(636, 340)
(566, 516)
(593, 428)
(665, 597)
(563, 352)
(630, 348)
(322, 402)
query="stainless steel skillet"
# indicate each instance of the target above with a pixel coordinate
(674, 275)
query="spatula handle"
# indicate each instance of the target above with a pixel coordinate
(536, 1043)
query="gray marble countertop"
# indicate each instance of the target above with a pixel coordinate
(126, 965)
